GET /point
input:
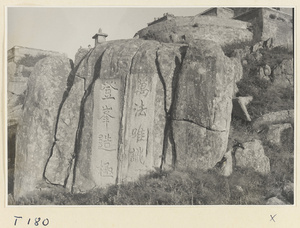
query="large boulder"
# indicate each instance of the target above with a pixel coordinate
(116, 140)
(253, 156)
(202, 113)
(126, 108)
(20, 65)
(288, 191)
(37, 126)
(283, 74)
(275, 133)
(187, 29)
(227, 166)
(58, 167)
(284, 116)
(275, 201)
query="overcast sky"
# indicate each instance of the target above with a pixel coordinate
(66, 29)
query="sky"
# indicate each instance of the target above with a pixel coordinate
(66, 29)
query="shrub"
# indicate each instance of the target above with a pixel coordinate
(228, 49)
(266, 97)
(275, 56)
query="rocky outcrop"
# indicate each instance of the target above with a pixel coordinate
(288, 192)
(239, 107)
(275, 132)
(126, 108)
(284, 116)
(187, 29)
(283, 74)
(226, 168)
(58, 166)
(264, 72)
(203, 107)
(20, 65)
(275, 201)
(46, 87)
(253, 156)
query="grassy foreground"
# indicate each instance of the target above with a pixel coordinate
(195, 187)
(180, 187)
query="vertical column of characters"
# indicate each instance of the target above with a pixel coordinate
(138, 130)
(106, 122)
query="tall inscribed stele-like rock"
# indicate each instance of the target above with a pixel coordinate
(126, 100)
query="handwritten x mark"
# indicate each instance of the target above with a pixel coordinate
(272, 218)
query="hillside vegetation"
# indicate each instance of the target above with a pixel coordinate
(196, 187)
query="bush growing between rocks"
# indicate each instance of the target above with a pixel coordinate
(266, 98)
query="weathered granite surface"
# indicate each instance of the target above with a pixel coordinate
(46, 87)
(204, 104)
(126, 108)
(275, 132)
(187, 29)
(284, 116)
(253, 156)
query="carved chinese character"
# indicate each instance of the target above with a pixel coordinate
(137, 155)
(105, 170)
(104, 142)
(108, 87)
(140, 109)
(142, 87)
(139, 133)
(106, 115)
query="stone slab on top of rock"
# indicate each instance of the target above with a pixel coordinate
(283, 116)
(239, 107)
(253, 156)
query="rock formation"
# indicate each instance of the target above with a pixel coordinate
(226, 169)
(163, 100)
(283, 74)
(253, 156)
(275, 201)
(126, 108)
(284, 116)
(275, 132)
(187, 29)
(36, 130)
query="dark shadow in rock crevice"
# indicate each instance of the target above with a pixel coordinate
(78, 137)
(70, 82)
(168, 130)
